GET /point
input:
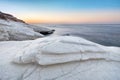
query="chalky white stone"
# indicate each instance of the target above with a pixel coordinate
(58, 58)
(11, 30)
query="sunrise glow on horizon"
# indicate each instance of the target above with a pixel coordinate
(63, 11)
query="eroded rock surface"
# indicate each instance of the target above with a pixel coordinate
(17, 32)
(3, 34)
(58, 58)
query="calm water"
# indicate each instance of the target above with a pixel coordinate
(105, 34)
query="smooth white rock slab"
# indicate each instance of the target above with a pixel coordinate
(58, 58)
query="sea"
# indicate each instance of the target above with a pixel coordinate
(105, 34)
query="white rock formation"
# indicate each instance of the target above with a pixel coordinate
(17, 31)
(12, 28)
(58, 58)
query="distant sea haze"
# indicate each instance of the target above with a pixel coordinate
(105, 34)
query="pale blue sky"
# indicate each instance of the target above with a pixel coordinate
(33, 8)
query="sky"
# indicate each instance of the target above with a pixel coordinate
(64, 11)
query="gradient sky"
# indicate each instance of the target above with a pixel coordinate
(64, 11)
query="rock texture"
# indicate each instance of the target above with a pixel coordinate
(3, 34)
(58, 58)
(12, 28)
(17, 32)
